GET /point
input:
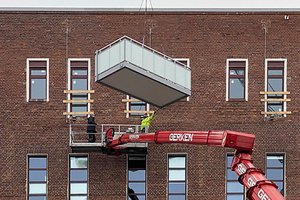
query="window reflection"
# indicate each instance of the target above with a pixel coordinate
(37, 178)
(275, 171)
(79, 81)
(275, 82)
(78, 177)
(234, 190)
(177, 177)
(136, 177)
(237, 80)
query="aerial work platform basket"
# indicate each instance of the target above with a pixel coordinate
(79, 138)
(142, 72)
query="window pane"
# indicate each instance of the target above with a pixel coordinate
(177, 175)
(37, 175)
(275, 72)
(280, 187)
(275, 161)
(38, 71)
(38, 88)
(78, 188)
(229, 161)
(137, 175)
(137, 108)
(275, 174)
(274, 108)
(35, 163)
(139, 197)
(235, 196)
(176, 187)
(176, 162)
(78, 198)
(77, 72)
(79, 84)
(231, 175)
(37, 188)
(78, 175)
(236, 72)
(137, 187)
(236, 88)
(275, 85)
(37, 198)
(78, 162)
(234, 187)
(176, 197)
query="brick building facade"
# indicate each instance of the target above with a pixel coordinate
(210, 40)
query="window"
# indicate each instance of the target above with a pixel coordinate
(176, 177)
(78, 177)
(137, 106)
(79, 77)
(234, 190)
(37, 178)
(237, 79)
(37, 79)
(137, 177)
(275, 170)
(275, 82)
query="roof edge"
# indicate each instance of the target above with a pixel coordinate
(90, 9)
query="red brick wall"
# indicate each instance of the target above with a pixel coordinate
(207, 39)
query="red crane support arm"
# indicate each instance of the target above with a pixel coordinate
(258, 187)
(236, 140)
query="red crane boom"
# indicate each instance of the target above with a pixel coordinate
(258, 187)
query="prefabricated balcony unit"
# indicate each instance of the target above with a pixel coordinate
(142, 72)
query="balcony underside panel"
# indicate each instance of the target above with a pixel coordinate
(142, 84)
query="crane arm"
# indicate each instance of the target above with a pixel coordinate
(258, 187)
(236, 140)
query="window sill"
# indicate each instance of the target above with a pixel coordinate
(37, 100)
(237, 100)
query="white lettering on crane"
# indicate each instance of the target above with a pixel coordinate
(250, 182)
(185, 137)
(241, 169)
(134, 136)
(262, 195)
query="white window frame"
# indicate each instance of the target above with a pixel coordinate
(69, 81)
(27, 77)
(227, 77)
(284, 81)
(187, 60)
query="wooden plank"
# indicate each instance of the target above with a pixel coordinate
(78, 91)
(276, 113)
(79, 101)
(78, 113)
(275, 100)
(275, 93)
(131, 100)
(135, 111)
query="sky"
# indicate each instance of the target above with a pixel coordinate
(278, 4)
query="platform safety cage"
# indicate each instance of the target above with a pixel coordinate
(79, 136)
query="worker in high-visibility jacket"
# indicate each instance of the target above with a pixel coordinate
(146, 122)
